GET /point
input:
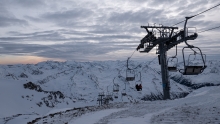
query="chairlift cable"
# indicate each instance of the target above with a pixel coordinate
(206, 10)
(199, 13)
(143, 63)
(209, 29)
(179, 23)
(132, 54)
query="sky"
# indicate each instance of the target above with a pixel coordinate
(32, 31)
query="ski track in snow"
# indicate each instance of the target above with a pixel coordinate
(134, 120)
(93, 117)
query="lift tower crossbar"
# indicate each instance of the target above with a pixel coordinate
(165, 38)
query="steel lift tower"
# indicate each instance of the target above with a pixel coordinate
(164, 38)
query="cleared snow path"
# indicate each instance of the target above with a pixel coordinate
(93, 117)
(137, 120)
(200, 107)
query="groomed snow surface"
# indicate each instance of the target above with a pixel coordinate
(200, 107)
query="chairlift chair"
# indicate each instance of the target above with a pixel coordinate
(116, 95)
(139, 82)
(130, 75)
(173, 67)
(115, 86)
(193, 69)
(173, 59)
(123, 92)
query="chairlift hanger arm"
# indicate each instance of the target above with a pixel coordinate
(127, 62)
(175, 54)
(140, 76)
(185, 40)
(114, 81)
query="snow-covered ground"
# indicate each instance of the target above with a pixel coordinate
(200, 107)
(32, 92)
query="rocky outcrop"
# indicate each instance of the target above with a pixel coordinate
(53, 98)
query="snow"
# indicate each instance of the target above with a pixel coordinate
(201, 107)
(81, 82)
(134, 120)
(93, 117)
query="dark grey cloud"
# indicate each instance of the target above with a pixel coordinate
(23, 3)
(69, 17)
(61, 51)
(8, 19)
(12, 21)
(142, 16)
(57, 36)
(36, 36)
(30, 3)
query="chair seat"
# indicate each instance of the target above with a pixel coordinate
(173, 69)
(193, 70)
(130, 78)
(123, 94)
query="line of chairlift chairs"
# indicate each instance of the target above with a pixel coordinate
(130, 76)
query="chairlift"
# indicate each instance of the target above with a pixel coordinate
(116, 95)
(172, 63)
(130, 73)
(138, 84)
(115, 86)
(189, 68)
(123, 92)
(109, 95)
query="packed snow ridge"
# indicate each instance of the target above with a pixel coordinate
(30, 92)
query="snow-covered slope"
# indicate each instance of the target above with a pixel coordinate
(200, 107)
(31, 91)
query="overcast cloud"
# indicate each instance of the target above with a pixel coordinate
(97, 30)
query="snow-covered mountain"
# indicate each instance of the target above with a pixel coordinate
(30, 91)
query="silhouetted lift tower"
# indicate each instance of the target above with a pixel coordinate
(164, 38)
